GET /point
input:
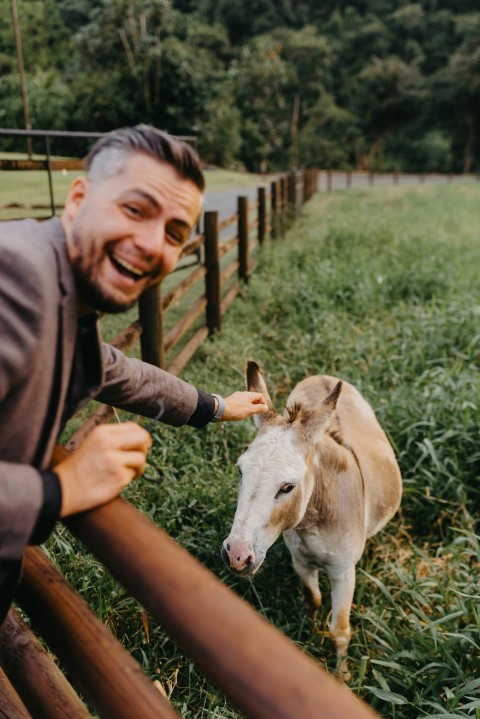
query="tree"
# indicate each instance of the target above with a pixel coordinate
(388, 95)
(259, 78)
(464, 69)
(327, 138)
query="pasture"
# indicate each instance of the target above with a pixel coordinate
(30, 188)
(380, 287)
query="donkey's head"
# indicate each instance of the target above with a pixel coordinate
(276, 476)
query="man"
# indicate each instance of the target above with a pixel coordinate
(122, 231)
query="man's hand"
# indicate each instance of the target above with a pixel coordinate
(241, 405)
(109, 458)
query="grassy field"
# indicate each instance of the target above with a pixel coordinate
(31, 188)
(381, 288)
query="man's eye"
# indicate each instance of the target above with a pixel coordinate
(133, 210)
(285, 489)
(176, 237)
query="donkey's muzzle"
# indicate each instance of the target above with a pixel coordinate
(239, 557)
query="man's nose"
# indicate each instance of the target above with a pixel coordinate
(151, 239)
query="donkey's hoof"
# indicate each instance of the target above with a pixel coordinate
(343, 676)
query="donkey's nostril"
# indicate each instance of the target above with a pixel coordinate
(228, 547)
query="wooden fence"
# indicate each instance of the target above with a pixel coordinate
(345, 180)
(261, 672)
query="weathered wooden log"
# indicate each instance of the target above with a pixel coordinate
(186, 284)
(187, 352)
(11, 706)
(35, 676)
(258, 668)
(108, 676)
(184, 324)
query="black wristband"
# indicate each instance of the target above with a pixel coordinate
(204, 411)
(50, 511)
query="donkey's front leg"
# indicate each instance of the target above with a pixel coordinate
(311, 591)
(342, 584)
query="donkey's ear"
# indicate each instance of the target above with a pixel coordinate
(317, 422)
(256, 383)
(331, 399)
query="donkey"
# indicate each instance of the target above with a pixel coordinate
(326, 476)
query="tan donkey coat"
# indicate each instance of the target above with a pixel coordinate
(326, 476)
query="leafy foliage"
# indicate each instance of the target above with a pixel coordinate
(380, 84)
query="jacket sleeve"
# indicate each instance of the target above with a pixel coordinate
(21, 317)
(21, 499)
(141, 388)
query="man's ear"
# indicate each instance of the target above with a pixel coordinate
(76, 196)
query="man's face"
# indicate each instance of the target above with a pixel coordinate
(125, 233)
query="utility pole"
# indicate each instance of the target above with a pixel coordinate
(21, 73)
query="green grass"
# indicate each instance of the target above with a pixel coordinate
(381, 288)
(31, 188)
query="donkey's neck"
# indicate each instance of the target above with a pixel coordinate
(328, 462)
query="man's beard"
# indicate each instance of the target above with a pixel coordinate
(95, 296)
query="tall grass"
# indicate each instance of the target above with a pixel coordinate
(381, 288)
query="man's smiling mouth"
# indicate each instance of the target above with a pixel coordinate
(125, 268)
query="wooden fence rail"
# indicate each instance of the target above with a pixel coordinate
(345, 180)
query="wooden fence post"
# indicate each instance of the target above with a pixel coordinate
(274, 209)
(151, 319)
(212, 277)
(284, 204)
(242, 208)
(262, 214)
(292, 190)
(306, 186)
(349, 179)
(329, 180)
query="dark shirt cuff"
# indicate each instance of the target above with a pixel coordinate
(204, 412)
(50, 511)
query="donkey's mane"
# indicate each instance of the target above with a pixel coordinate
(293, 411)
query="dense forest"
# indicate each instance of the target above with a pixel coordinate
(265, 84)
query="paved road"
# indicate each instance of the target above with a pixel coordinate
(225, 201)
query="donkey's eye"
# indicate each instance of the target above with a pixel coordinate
(285, 489)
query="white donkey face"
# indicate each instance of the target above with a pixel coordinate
(276, 482)
(272, 496)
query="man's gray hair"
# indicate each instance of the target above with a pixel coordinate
(108, 155)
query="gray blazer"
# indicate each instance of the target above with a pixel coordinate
(38, 325)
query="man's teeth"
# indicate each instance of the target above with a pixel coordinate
(127, 266)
